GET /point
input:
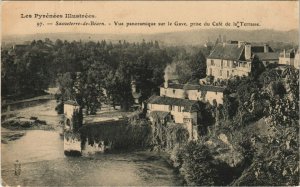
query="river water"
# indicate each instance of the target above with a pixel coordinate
(43, 164)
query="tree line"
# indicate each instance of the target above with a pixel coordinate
(92, 72)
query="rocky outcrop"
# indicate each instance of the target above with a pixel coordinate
(223, 150)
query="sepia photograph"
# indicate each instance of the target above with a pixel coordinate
(150, 93)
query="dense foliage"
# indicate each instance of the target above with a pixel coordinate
(121, 134)
(93, 73)
(254, 136)
(261, 119)
(258, 119)
(77, 120)
(25, 71)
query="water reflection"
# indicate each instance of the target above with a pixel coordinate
(44, 164)
(36, 145)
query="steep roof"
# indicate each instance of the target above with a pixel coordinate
(197, 87)
(211, 88)
(183, 86)
(161, 100)
(159, 114)
(232, 51)
(259, 48)
(227, 51)
(267, 56)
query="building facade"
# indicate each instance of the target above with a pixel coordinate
(181, 111)
(233, 58)
(204, 93)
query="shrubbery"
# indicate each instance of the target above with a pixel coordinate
(198, 166)
(120, 134)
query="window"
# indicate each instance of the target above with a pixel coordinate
(227, 73)
(170, 107)
(233, 64)
(68, 123)
(228, 63)
(173, 91)
(212, 62)
(187, 120)
(220, 72)
(221, 63)
(179, 108)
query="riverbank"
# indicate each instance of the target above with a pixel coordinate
(43, 162)
(43, 115)
(39, 117)
(8, 135)
(142, 168)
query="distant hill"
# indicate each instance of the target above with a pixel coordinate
(196, 37)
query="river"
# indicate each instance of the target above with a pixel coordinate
(43, 162)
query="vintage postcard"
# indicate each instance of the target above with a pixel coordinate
(150, 93)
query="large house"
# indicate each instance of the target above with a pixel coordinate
(181, 111)
(204, 93)
(234, 58)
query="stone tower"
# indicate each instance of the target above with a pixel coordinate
(72, 141)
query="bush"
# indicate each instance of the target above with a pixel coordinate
(198, 165)
(60, 108)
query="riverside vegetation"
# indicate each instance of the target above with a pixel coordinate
(252, 139)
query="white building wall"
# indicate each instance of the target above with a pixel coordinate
(286, 61)
(218, 96)
(176, 112)
(194, 95)
(224, 69)
(69, 109)
(188, 119)
(297, 60)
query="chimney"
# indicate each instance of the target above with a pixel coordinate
(240, 43)
(133, 86)
(266, 48)
(247, 51)
(166, 83)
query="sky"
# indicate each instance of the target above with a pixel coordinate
(277, 15)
